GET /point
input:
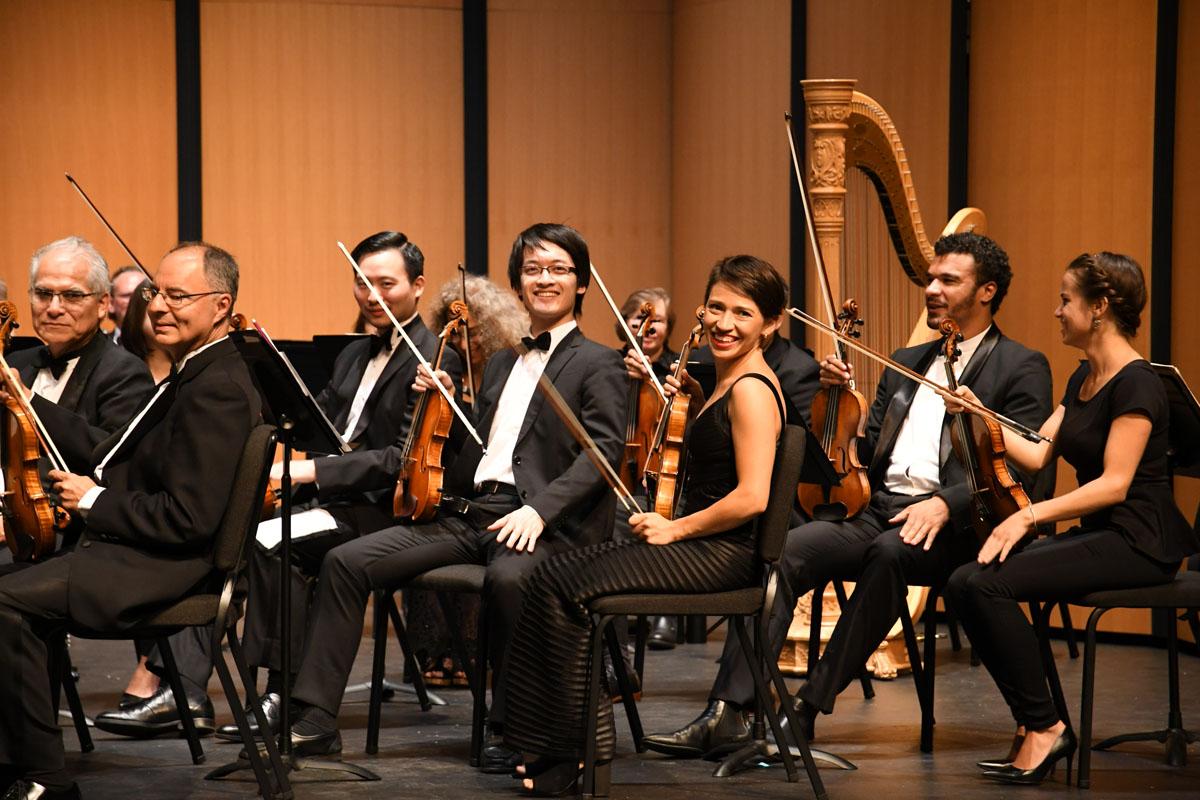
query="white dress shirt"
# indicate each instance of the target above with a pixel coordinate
(370, 377)
(496, 463)
(50, 387)
(915, 467)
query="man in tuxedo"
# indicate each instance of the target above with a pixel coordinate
(915, 528)
(151, 503)
(533, 493)
(83, 388)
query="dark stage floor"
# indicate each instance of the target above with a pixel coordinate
(423, 755)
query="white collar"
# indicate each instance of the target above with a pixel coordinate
(183, 362)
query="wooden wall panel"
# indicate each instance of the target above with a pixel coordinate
(900, 55)
(731, 68)
(87, 88)
(1185, 322)
(579, 120)
(1061, 155)
(328, 121)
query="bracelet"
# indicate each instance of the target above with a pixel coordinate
(1032, 516)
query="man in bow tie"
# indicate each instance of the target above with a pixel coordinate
(531, 493)
(81, 387)
(151, 499)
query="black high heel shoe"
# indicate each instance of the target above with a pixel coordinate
(1064, 747)
(552, 779)
(1018, 740)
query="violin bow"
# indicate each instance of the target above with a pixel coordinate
(941, 391)
(585, 441)
(56, 459)
(74, 183)
(462, 274)
(411, 344)
(633, 342)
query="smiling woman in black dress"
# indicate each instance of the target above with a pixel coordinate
(710, 547)
(1112, 428)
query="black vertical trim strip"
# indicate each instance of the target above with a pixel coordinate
(187, 118)
(1163, 191)
(475, 139)
(797, 230)
(960, 97)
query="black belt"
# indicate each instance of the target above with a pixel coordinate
(496, 487)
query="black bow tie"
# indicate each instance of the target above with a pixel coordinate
(43, 360)
(542, 342)
(381, 342)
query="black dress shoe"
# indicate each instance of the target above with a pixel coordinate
(1064, 747)
(613, 686)
(499, 760)
(270, 709)
(32, 790)
(157, 715)
(664, 633)
(806, 715)
(720, 729)
(324, 743)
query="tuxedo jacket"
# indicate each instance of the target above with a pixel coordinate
(1006, 376)
(148, 537)
(796, 369)
(385, 418)
(107, 387)
(552, 472)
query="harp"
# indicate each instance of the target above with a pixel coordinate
(857, 168)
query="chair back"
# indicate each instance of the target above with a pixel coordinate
(774, 522)
(246, 500)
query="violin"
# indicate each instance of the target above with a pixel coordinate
(839, 416)
(664, 464)
(419, 485)
(31, 517)
(642, 410)
(979, 444)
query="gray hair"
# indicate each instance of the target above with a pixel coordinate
(97, 277)
(220, 268)
(501, 318)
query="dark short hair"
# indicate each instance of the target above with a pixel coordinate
(754, 278)
(1118, 278)
(564, 236)
(634, 302)
(991, 262)
(220, 268)
(414, 259)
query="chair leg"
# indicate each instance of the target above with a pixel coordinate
(78, 718)
(410, 660)
(864, 677)
(639, 648)
(457, 647)
(627, 698)
(378, 662)
(181, 702)
(929, 668)
(479, 688)
(814, 624)
(952, 628)
(268, 788)
(1083, 778)
(1193, 618)
(590, 788)
(914, 659)
(763, 705)
(1068, 628)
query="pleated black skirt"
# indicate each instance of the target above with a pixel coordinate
(548, 660)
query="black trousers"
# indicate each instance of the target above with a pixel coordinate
(395, 555)
(987, 598)
(813, 553)
(549, 659)
(33, 611)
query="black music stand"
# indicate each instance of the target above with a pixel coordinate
(759, 751)
(302, 424)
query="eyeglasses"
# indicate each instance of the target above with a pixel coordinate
(557, 270)
(172, 299)
(71, 297)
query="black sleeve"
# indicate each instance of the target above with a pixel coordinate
(799, 379)
(1073, 384)
(1138, 391)
(883, 395)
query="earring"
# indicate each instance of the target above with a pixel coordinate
(1095, 323)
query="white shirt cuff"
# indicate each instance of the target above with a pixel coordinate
(89, 499)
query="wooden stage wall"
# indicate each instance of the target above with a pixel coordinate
(653, 126)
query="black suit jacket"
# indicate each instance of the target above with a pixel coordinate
(148, 537)
(107, 387)
(1006, 376)
(552, 473)
(797, 370)
(370, 470)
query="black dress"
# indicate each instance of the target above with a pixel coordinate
(548, 659)
(1137, 542)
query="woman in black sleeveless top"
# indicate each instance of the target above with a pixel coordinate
(710, 547)
(1112, 428)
